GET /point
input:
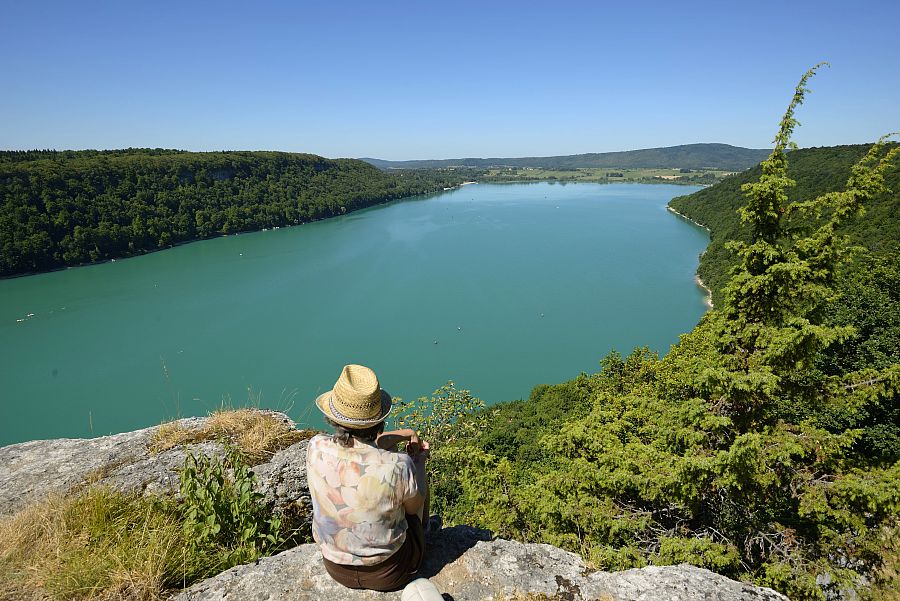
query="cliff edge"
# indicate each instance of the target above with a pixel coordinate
(464, 563)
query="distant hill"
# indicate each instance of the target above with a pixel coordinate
(686, 156)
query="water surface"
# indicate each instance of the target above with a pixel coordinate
(497, 287)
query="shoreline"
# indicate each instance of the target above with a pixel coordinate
(458, 186)
(708, 300)
(216, 235)
(589, 181)
(683, 216)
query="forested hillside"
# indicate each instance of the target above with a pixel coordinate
(73, 207)
(816, 171)
(765, 445)
(687, 156)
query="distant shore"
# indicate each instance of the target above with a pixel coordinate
(448, 188)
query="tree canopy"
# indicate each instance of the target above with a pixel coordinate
(73, 207)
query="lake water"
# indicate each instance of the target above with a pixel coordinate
(497, 287)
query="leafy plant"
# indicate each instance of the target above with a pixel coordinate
(447, 416)
(100, 544)
(448, 420)
(222, 509)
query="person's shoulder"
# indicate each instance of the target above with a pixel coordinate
(377, 455)
(319, 442)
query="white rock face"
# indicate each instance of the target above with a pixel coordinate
(30, 471)
(466, 564)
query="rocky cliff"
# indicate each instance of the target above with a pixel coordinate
(465, 563)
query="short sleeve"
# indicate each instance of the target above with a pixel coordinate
(407, 487)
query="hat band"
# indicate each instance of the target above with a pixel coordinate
(353, 420)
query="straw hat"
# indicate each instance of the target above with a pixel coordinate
(357, 400)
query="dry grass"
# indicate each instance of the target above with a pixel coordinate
(173, 434)
(100, 545)
(259, 435)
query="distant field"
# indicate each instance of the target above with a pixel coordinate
(605, 175)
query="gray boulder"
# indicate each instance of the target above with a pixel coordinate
(466, 565)
(31, 471)
(282, 480)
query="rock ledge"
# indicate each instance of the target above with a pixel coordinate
(465, 563)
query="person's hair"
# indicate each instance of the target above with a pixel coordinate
(344, 436)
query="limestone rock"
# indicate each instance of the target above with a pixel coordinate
(466, 565)
(282, 479)
(30, 471)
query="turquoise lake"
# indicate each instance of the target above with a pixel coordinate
(496, 287)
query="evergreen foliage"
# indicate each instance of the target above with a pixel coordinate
(815, 171)
(749, 449)
(73, 207)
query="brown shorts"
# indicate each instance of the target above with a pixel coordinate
(391, 574)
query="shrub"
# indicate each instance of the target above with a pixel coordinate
(222, 511)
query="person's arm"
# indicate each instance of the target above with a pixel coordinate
(415, 506)
(390, 440)
(419, 503)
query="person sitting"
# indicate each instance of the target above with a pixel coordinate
(368, 499)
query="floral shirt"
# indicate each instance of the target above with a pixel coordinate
(357, 496)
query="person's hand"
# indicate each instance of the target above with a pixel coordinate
(414, 446)
(422, 449)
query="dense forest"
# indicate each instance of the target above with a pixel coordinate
(688, 156)
(815, 171)
(73, 207)
(765, 445)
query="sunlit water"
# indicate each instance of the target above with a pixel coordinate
(497, 287)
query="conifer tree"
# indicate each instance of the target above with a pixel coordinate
(770, 327)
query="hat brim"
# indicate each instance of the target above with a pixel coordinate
(323, 402)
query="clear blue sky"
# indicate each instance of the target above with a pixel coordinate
(406, 80)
